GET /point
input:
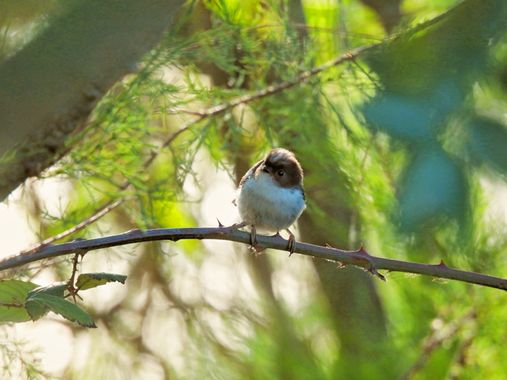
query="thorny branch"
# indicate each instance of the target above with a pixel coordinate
(359, 258)
(110, 205)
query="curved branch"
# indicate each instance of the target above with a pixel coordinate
(359, 258)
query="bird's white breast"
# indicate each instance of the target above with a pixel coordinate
(267, 205)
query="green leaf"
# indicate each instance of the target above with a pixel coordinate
(434, 186)
(44, 302)
(37, 309)
(13, 294)
(55, 290)
(92, 280)
(488, 143)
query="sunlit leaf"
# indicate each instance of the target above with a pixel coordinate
(92, 280)
(12, 299)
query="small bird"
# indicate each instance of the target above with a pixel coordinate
(271, 195)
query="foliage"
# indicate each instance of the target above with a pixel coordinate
(24, 301)
(396, 145)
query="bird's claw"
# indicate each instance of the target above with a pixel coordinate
(253, 241)
(291, 243)
(376, 273)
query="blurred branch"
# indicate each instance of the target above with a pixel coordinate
(435, 340)
(389, 12)
(359, 258)
(50, 87)
(462, 358)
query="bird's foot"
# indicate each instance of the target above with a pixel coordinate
(254, 247)
(291, 245)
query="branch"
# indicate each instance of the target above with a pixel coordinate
(359, 258)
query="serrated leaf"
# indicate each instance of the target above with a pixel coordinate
(92, 280)
(55, 290)
(488, 143)
(434, 186)
(37, 309)
(48, 302)
(13, 294)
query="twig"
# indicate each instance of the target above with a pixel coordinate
(99, 213)
(359, 258)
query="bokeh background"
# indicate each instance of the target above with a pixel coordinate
(404, 149)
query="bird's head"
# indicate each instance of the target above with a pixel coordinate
(283, 167)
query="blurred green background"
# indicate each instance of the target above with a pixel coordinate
(404, 150)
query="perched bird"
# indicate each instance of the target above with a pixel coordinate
(271, 196)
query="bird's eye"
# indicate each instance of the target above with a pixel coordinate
(280, 173)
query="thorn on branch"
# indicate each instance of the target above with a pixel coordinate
(134, 231)
(220, 225)
(441, 264)
(71, 287)
(375, 272)
(362, 251)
